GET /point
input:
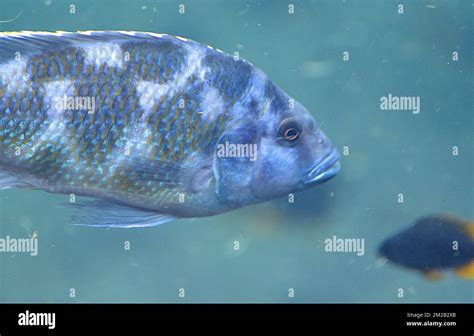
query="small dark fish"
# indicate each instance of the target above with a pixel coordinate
(155, 127)
(434, 244)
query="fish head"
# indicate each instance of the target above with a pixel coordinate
(409, 250)
(292, 152)
(295, 154)
(390, 249)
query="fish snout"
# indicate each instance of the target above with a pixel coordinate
(323, 170)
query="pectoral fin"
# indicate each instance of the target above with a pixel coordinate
(141, 169)
(9, 180)
(169, 174)
(466, 272)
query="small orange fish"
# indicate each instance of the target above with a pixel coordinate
(434, 244)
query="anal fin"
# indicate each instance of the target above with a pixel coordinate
(433, 275)
(107, 214)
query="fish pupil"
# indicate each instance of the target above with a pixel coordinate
(291, 134)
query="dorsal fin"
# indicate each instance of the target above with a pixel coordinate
(30, 43)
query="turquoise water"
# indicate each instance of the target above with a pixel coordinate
(281, 244)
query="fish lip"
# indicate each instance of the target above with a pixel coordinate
(324, 170)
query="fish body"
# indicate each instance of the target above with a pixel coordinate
(152, 126)
(433, 244)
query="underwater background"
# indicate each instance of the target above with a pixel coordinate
(281, 244)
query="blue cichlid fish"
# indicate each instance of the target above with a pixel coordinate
(154, 127)
(433, 244)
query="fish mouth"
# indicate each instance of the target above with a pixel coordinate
(324, 170)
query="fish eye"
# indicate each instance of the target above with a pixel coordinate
(290, 130)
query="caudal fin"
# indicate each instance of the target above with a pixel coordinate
(466, 272)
